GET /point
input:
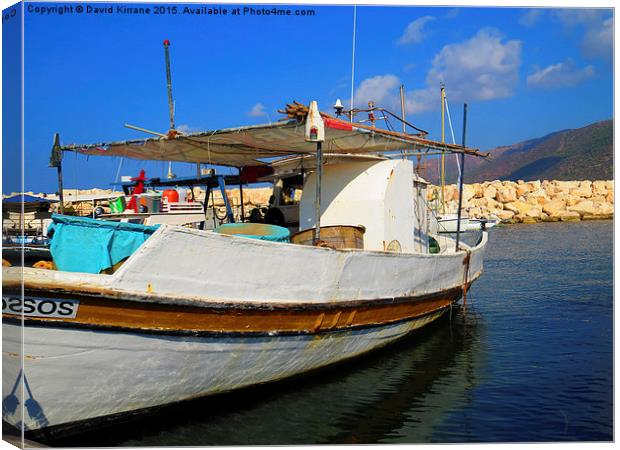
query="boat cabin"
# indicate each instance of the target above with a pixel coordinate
(359, 195)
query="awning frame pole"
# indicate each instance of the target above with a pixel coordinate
(229, 213)
(241, 197)
(56, 161)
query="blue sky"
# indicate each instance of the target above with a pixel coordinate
(523, 72)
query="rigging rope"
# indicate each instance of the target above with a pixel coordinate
(118, 172)
(458, 165)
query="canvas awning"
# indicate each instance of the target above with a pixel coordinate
(254, 145)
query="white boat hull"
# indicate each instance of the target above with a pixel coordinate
(194, 313)
(77, 375)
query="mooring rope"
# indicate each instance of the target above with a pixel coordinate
(466, 261)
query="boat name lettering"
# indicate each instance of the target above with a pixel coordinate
(40, 307)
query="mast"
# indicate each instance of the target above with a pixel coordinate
(172, 131)
(443, 157)
(458, 218)
(169, 83)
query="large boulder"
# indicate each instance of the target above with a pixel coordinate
(474, 212)
(490, 192)
(604, 209)
(570, 216)
(522, 189)
(554, 208)
(534, 185)
(478, 190)
(584, 207)
(528, 219)
(599, 188)
(535, 212)
(506, 194)
(584, 190)
(572, 200)
(549, 188)
(505, 216)
(518, 207)
(468, 192)
(566, 186)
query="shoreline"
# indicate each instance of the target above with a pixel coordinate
(511, 202)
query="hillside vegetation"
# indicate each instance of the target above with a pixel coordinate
(577, 154)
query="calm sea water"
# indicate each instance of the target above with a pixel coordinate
(530, 361)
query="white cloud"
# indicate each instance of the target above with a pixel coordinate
(571, 17)
(597, 26)
(559, 75)
(380, 89)
(187, 129)
(414, 32)
(484, 67)
(257, 110)
(598, 40)
(530, 17)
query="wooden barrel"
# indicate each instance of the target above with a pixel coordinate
(335, 236)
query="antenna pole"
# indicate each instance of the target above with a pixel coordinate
(169, 83)
(353, 63)
(402, 112)
(402, 107)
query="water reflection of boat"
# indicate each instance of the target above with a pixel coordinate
(398, 395)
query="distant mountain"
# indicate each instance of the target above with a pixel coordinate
(577, 154)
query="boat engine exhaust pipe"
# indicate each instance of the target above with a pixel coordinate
(315, 132)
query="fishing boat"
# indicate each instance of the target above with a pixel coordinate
(137, 317)
(24, 227)
(448, 223)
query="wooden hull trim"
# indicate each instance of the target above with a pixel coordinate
(211, 333)
(107, 295)
(165, 319)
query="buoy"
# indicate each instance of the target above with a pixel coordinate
(171, 195)
(49, 265)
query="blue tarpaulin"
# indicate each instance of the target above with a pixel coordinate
(26, 198)
(81, 244)
(256, 231)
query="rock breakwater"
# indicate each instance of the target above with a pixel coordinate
(509, 201)
(532, 201)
